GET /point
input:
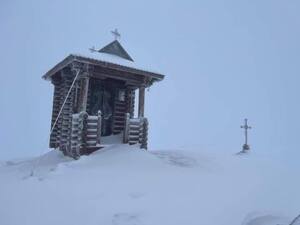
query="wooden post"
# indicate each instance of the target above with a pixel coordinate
(84, 133)
(84, 94)
(130, 97)
(126, 128)
(145, 134)
(99, 127)
(141, 101)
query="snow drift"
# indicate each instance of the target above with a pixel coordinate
(123, 185)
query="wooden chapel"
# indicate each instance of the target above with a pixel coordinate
(94, 99)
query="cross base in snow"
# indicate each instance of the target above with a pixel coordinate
(246, 147)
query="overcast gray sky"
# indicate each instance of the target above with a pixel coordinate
(223, 61)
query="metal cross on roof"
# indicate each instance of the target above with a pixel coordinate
(246, 127)
(116, 34)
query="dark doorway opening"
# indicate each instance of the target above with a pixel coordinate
(102, 95)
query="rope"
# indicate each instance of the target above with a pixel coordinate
(295, 220)
(64, 102)
(52, 128)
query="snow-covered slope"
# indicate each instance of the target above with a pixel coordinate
(123, 185)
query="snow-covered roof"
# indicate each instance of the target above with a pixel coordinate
(104, 57)
(111, 60)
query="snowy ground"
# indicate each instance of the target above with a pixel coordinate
(123, 185)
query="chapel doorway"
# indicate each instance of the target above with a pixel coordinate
(102, 95)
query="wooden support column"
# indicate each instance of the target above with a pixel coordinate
(141, 101)
(84, 94)
(99, 127)
(130, 97)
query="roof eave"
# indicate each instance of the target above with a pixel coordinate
(68, 60)
(58, 67)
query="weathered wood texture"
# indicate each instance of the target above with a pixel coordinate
(130, 98)
(130, 79)
(54, 136)
(121, 107)
(144, 135)
(99, 127)
(76, 96)
(83, 94)
(141, 101)
(89, 97)
(118, 116)
(76, 134)
(85, 134)
(136, 131)
(67, 110)
(80, 100)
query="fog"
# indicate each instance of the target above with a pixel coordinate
(223, 60)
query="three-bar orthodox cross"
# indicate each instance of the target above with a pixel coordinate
(246, 127)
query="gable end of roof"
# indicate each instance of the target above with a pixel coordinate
(115, 48)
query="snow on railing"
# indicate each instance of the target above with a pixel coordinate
(136, 131)
(85, 133)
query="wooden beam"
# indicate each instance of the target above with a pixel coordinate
(99, 127)
(84, 94)
(124, 77)
(141, 101)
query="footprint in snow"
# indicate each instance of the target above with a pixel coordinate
(126, 219)
(176, 159)
(136, 195)
(264, 219)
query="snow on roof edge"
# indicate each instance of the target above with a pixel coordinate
(104, 57)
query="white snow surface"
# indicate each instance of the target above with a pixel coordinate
(104, 57)
(123, 185)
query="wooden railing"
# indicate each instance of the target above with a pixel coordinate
(136, 131)
(85, 134)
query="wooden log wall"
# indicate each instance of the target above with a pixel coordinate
(144, 134)
(120, 110)
(54, 136)
(76, 134)
(67, 111)
(85, 134)
(118, 116)
(79, 100)
(136, 131)
(92, 131)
